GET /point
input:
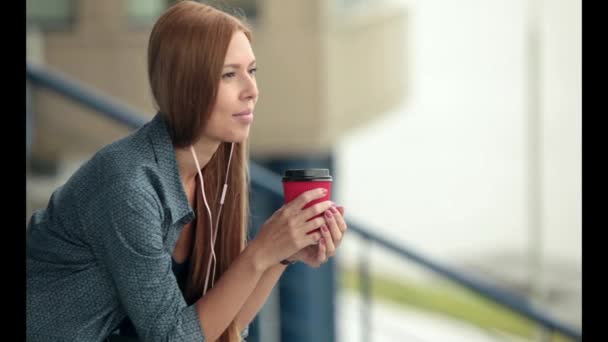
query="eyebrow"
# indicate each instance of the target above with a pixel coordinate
(236, 65)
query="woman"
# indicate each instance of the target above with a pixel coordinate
(133, 239)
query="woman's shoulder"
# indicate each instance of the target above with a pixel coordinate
(139, 166)
(135, 155)
(115, 179)
(125, 163)
(125, 159)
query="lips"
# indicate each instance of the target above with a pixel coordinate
(245, 116)
(243, 113)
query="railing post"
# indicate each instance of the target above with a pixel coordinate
(366, 290)
(306, 295)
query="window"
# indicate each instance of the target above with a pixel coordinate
(238, 8)
(143, 13)
(48, 15)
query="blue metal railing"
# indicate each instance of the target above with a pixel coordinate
(260, 176)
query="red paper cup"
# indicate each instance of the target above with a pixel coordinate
(297, 181)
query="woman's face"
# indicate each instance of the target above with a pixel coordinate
(237, 95)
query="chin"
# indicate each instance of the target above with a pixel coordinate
(238, 137)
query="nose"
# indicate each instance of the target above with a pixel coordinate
(250, 89)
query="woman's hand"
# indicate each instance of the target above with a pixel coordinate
(285, 232)
(332, 234)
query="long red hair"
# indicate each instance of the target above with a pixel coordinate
(186, 53)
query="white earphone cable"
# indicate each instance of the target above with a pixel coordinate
(222, 198)
(213, 231)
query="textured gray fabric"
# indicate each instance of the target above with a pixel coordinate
(101, 250)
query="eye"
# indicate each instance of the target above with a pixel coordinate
(253, 71)
(229, 75)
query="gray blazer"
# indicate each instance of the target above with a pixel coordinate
(101, 250)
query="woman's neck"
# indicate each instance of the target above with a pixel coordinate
(204, 149)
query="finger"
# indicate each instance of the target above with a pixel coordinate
(321, 255)
(313, 224)
(340, 209)
(312, 239)
(308, 240)
(334, 230)
(314, 210)
(329, 243)
(304, 198)
(339, 219)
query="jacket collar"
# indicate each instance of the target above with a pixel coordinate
(176, 199)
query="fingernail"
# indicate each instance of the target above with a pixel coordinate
(328, 214)
(322, 241)
(334, 210)
(324, 228)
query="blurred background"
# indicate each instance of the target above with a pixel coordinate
(452, 129)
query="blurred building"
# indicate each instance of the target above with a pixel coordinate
(322, 67)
